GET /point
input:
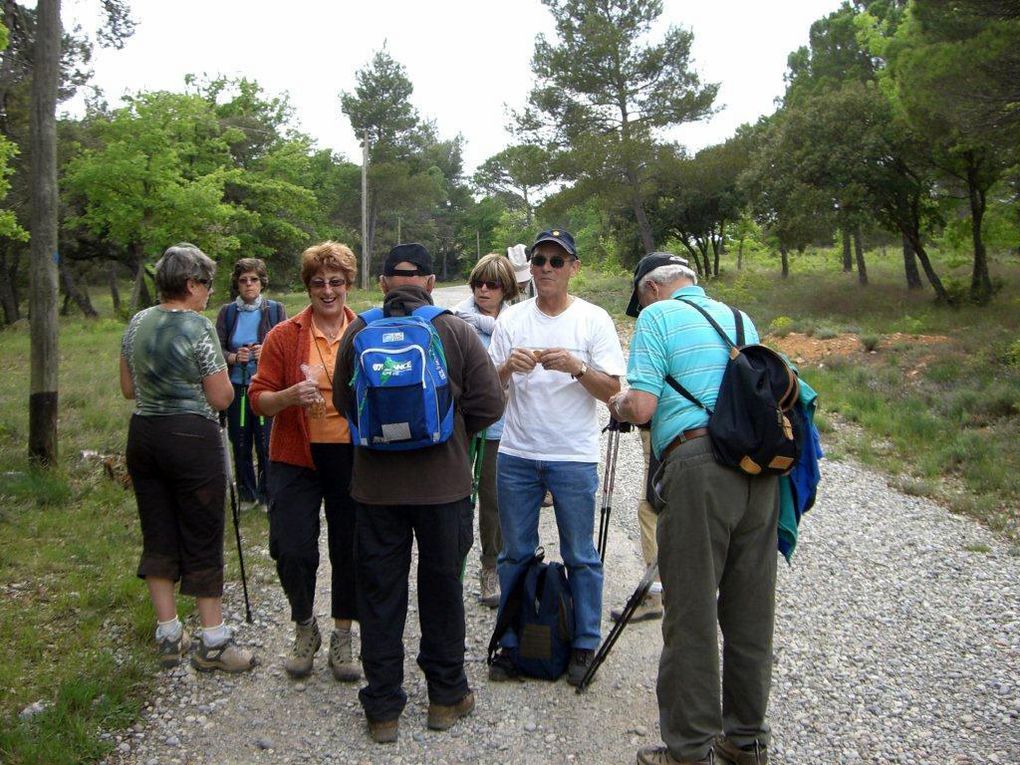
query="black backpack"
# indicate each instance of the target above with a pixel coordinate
(754, 426)
(540, 611)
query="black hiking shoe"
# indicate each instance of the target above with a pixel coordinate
(580, 660)
(502, 668)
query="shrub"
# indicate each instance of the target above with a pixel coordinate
(870, 342)
(781, 326)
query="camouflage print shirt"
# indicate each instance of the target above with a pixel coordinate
(169, 353)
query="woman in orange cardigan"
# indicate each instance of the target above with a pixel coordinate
(310, 457)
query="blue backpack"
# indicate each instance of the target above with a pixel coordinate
(540, 611)
(402, 395)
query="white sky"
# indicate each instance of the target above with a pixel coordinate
(468, 59)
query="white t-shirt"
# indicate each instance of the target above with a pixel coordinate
(550, 416)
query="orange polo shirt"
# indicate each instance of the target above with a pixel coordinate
(331, 429)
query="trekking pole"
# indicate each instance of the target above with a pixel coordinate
(476, 452)
(232, 489)
(607, 645)
(615, 428)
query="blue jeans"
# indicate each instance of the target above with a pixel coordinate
(521, 485)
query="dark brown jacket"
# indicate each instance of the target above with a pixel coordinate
(435, 474)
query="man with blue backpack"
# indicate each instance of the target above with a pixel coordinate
(416, 383)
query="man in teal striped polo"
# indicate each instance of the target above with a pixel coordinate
(716, 530)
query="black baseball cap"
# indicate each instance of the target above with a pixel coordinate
(645, 266)
(408, 253)
(561, 237)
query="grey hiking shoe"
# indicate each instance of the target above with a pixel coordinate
(226, 657)
(729, 753)
(307, 641)
(489, 580)
(171, 650)
(659, 755)
(341, 657)
(443, 717)
(384, 731)
(650, 607)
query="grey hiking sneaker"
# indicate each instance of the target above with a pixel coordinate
(307, 640)
(489, 580)
(341, 657)
(443, 717)
(729, 753)
(650, 607)
(171, 650)
(580, 660)
(226, 657)
(384, 731)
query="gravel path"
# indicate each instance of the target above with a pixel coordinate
(898, 641)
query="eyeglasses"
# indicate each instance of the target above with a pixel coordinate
(319, 284)
(479, 283)
(207, 283)
(556, 261)
(249, 280)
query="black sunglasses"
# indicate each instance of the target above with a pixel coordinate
(556, 261)
(479, 283)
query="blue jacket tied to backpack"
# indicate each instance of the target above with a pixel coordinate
(402, 397)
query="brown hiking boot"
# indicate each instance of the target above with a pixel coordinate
(226, 657)
(341, 656)
(489, 580)
(443, 717)
(307, 641)
(731, 754)
(650, 607)
(384, 731)
(171, 651)
(659, 755)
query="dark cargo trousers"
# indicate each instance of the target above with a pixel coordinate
(717, 558)
(383, 553)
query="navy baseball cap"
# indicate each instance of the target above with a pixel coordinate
(558, 235)
(408, 253)
(645, 266)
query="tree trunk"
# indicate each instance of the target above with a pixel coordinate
(740, 253)
(42, 401)
(140, 297)
(8, 286)
(784, 256)
(80, 295)
(644, 227)
(941, 295)
(848, 262)
(862, 271)
(114, 291)
(910, 265)
(980, 281)
(717, 245)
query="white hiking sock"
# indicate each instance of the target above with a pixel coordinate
(169, 629)
(214, 636)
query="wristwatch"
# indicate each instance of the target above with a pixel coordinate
(581, 371)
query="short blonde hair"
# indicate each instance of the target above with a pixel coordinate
(496, 268)
(328, 254)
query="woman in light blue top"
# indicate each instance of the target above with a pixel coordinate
(493, 286)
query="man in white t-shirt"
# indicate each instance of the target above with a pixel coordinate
(558, 355)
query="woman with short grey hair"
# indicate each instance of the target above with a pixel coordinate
(172, 366)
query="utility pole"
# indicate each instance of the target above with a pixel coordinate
(365, 255)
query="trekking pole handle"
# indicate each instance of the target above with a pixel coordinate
(617, 425)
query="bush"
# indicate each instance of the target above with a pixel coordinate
(781, 326)
(870, 342)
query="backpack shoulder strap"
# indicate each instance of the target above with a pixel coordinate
(715, 325)
(231, 319)
(509, 615)
(275, 312)
(372, 314)
(429, 312)
(738, 323)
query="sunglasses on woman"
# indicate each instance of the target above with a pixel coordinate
(479, 283)
(556, 261)
(320, 284)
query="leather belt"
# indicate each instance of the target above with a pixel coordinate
(687, 435)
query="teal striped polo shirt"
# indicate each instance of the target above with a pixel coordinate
(673, 338)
